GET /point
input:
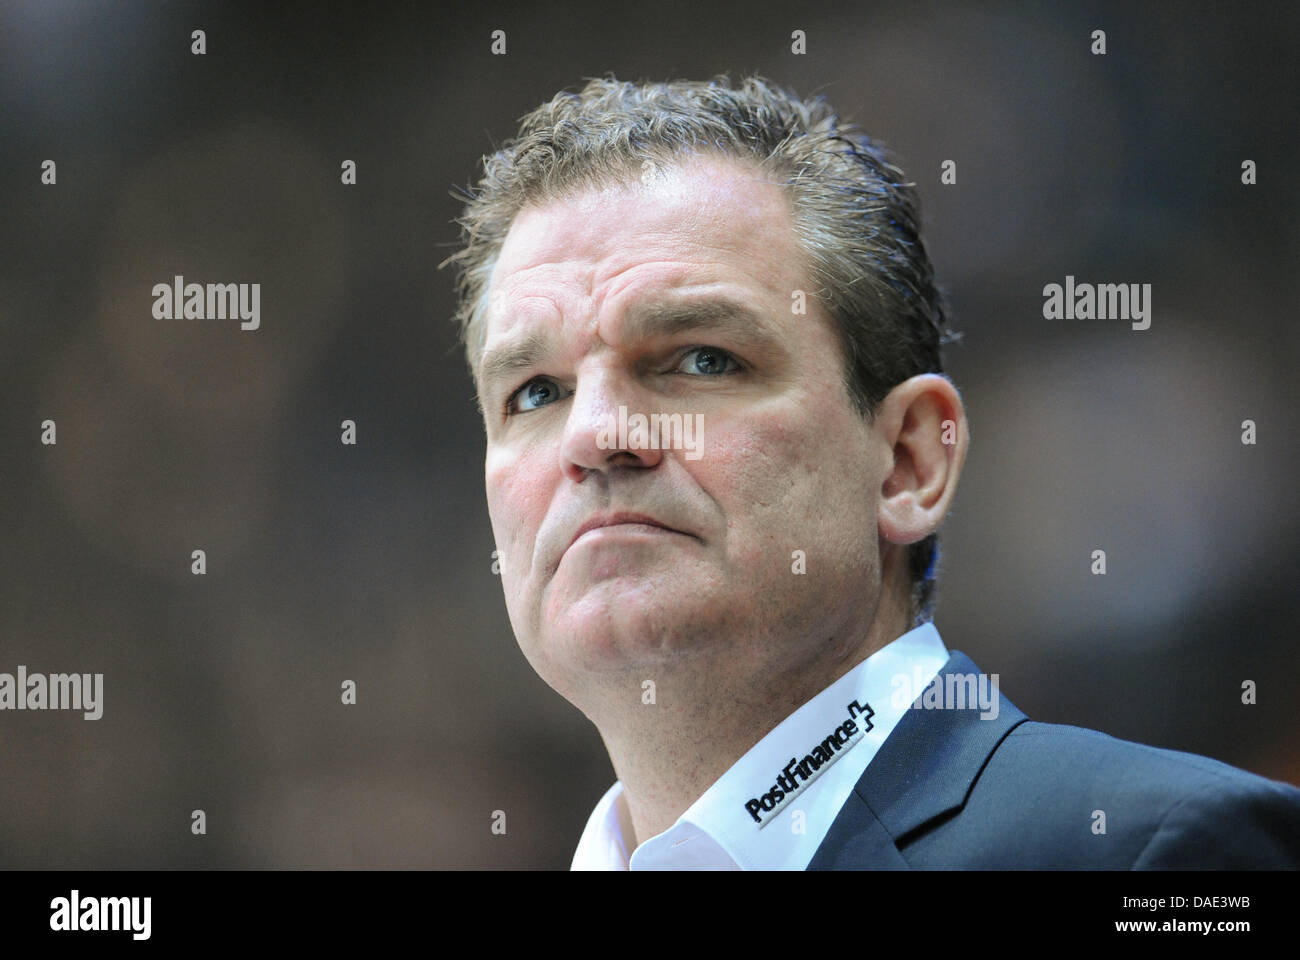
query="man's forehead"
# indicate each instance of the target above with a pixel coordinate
(556, 291)
(696, 196)
(711, 220)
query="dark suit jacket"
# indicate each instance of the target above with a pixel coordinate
(949, 789)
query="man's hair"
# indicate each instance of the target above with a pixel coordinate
(856, 218)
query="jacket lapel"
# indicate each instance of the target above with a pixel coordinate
(924, 769)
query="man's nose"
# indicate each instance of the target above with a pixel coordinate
(597, 435)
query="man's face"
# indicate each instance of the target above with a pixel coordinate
(673, 296)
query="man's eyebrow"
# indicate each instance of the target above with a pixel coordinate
(643, 322)
(718, 314)
(520, 354)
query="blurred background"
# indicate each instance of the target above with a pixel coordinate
(373, 562)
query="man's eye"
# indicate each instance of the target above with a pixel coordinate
(707, 361)
(533, 394)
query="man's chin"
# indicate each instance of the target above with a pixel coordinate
(624, 622)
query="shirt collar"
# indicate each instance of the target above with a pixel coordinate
(774, 806)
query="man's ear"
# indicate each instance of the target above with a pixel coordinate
(923, 422)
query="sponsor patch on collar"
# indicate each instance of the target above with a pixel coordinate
(797, 774)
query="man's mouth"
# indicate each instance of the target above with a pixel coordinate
(637, 521)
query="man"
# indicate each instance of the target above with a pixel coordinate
(744, 612)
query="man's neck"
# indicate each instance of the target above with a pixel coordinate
(669, 753)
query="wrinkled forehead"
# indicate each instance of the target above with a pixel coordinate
(709, 213)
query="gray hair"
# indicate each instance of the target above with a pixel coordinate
(856, 217)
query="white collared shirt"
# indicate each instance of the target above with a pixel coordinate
(775, 805)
